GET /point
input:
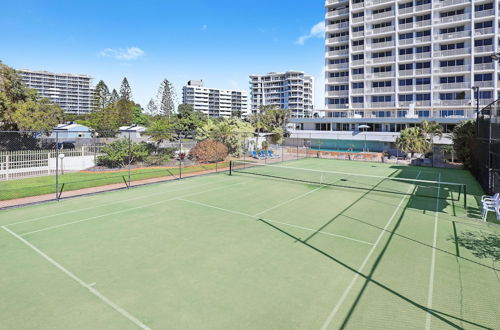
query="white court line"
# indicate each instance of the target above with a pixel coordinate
(89, 287)
(433, 262)
(335, 310)
(283, 223)
(289, 201)
(98, 206)
(125, 210)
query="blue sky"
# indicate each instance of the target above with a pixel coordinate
(221, 42)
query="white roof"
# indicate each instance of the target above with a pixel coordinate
(71, 126)
(133, 128)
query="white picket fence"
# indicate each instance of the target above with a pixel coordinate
(32, 163)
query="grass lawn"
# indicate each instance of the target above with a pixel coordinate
(78, 180)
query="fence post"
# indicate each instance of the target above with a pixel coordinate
(129, 157)
(57, 166)
(7, 160)
(180, 158)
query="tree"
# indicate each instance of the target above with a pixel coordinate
(152, 108)
(166, 98)
(412, 140)
(101, 96)
(114, 97)
(105, 121)
(21, 108)
(187, 119)
(138, 116)
(448, 149)
(125, 111)
(160, 130)
(463, 141)
(232, 132)
(125, 90)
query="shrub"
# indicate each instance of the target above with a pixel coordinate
(117, 154)
(209, 151)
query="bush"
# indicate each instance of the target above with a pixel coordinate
(209, 151)
(116, 154)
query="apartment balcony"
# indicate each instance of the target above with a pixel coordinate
(358, 34)
(356, 20)
(453, 69)
(446, 3)
(406, 57)
(386, 14)
(484, 66)
(357, 91)
(386, 29)
(381, 105)
(451, 103)
(483, 49)
(454, 35)
(453, 52)
(336, 106)
(333, 2)
(378, 75)
(337, 13)
(384, 59)
(409, 41)
(407, 104)
(423, 55)
(376, 2)
(484, 84)
(382, 45)
(358, 63)
(484, 13)
(405, 26)
(419, 40)
(404, 11)
(358, 5)
(338, 80)
(358, 77)
(337, 93)
(423, 7)
(407, 88)
(338, 53)
(482, 32)
(452, 86)
(382, 90)
(338, 26)
(426, 22)
(423, 87)
(340, 66)
(358, 48)
(455, 18)
(336, 40)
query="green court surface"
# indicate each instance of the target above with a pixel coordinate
(248, 251)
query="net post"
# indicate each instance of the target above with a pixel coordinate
(465, 197)
(61, 191)
(230, 167)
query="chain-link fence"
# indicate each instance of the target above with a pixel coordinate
(486, 150)
(42, 166)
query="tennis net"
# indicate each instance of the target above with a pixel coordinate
(451, 191)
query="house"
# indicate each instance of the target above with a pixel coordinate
(71, 131)
(134, 132)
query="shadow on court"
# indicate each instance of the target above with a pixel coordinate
(368, 279)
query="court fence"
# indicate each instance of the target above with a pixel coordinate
(486, 148)
(42, 166)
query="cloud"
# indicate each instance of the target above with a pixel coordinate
(204, 28)
(317, 31)
(122, 54)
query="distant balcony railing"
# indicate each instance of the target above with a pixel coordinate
(386, 74)
(423, 87)
(452, 86)
(484, 66)
(384, 59)
(484, 83)
(450, 69)
(382, 44)
(358, 76)
(455, 18)
(451, 103)
(454, 35)
(383, 90)
(358, 48)
(381, 104)
(483, 49)
(445, 3)
(357, 19)
(453, 52)
(339, 66)
(358, 34)
(357, 63)
(484, 31)
(484, 13)
(382, 30)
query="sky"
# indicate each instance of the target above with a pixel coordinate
(221, 42)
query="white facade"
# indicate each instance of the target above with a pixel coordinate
(385, 57)
(215, 102)
(73, 93)
(292, 90)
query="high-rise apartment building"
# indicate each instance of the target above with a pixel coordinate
(387, 57)
(215, 102)
(72, 92)
(292, 90)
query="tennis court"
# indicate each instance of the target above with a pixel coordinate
(297, 245)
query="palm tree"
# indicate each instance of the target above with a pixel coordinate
(448, 149)
(412, 140)
(430, 130)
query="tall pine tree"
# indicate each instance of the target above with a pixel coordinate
(166, 98)
(101, 96)
(114, 96)
(125, 90)
(152, 108)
